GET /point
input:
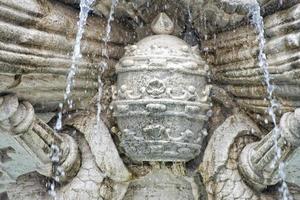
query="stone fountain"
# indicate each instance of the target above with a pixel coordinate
(184, 104)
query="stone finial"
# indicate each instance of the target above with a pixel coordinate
(162, 24)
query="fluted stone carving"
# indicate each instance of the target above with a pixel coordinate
(151, 143)
(259, 162)
(36, 42)
(220, 15)
(26, 143)
(235, 64)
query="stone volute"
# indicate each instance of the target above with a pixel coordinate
(29, 145)
(161, 100)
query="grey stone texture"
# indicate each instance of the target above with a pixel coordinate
(234, 65)
(161, 80)
(171, 77)
(37, 39)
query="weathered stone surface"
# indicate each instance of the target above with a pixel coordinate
(160, 184)
(36, 42)
(219, 168)
(208, 17)
(36, 39)
(259, 162)
(26, 144)
(140, 13)
(72, 2)
(162, 24)
(102, 146)
(219, 15)
(235, 66)
(22, 150)
(161, 80)
(227, 177)
(293, 169)
(28, 187)
(85, 185)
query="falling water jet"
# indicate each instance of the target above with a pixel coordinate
(280, 2)
(57, 170)
(108, 27)
(83, 15)
(257, 21)
(103, 65)
(55, 155)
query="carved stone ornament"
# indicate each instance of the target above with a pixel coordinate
(26, 144)
(258, 162)
(162, 97)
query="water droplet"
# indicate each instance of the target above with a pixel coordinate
(266, 121)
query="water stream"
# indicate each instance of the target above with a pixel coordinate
(106, 38)
(257, 21)
(76, 56)
(103, 64)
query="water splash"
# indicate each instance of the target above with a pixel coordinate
(103, 64)
(58, 171)
(257, 21)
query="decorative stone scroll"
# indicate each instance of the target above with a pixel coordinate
(26, 144)
(238, 165)
(259, 162)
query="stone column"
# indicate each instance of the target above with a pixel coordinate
(259, 162)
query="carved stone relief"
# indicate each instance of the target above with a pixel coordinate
(160, 94)
(161, 80)
(36, 45)
(235, 63)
